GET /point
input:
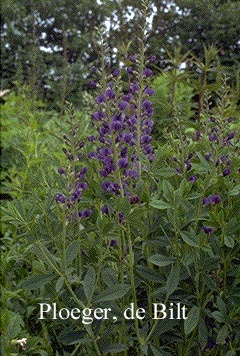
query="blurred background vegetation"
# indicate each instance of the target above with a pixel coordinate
(50, 45)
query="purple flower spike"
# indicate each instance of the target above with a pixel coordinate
(113, 243)
(230, 119)
(147, 72)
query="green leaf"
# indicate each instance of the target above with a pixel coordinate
(231, 353)
(160, 204)
(188, 239)
(192, 320)
(71, 337)
(161, 260)
(229, 241)
(159, 351)
(109, 277)
(113, 293)
(218, 316)
(59, 284)
(173, 279)
(222, 334)
(222, 306)
(72, 251)
(168, 190)
(149, 274)
(114, 348)
(235, 190)
(89, 282)
(165, 172)
(202, 334)
(37, 281)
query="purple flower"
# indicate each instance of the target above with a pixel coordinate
(61, 170)
(134, 199)
(82, 185)
(132, 173)
(105, 209)
(230, 119)
(121, 217)
(86, 213)
(149, 91)
(208, 156)
(116, 125)
(110, 94)
(116, 73)
(122, 105)
(60, 198)
(92, 84)
(213, 137)
(207, 230)
(193, 178)
(83, 172)
(152, 59)
(100, 99)
(127, 97)
(215, 199)
(98, 115)
(94, 69)
(92, 155)
(226, 172)
(212, 199)
(147, 72)
(91, 138)
(148, 107)
(188, 165)
(134, 88)
(130, 70)
(107, 187)
(146, 139)
(113, 243)
(231, 136)
(127, 137)
(132, 58)
(122, 163)
(212, 119)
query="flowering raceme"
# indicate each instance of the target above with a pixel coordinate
(74, 174)
(124, 125)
